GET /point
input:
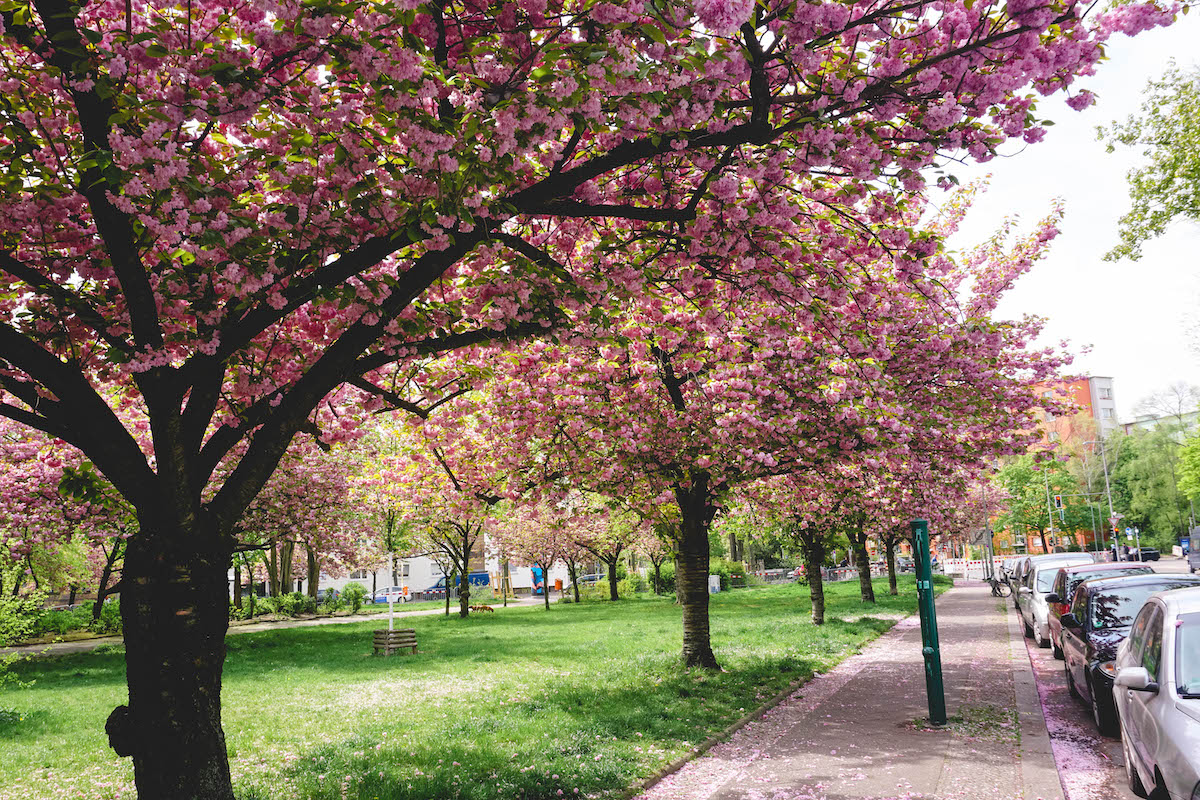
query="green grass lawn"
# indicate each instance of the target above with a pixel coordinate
(587, 699)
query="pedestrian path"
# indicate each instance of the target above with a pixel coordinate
(859, 732)
(84, 645)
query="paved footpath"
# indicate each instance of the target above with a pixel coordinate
(84, 645)
(858, 731)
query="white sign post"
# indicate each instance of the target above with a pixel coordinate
(391, 598)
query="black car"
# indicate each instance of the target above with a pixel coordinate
(1098, 620)
(1148, 554)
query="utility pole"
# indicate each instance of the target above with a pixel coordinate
(1049, 510)
(1112, 515)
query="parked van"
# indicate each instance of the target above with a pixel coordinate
(1192, 556)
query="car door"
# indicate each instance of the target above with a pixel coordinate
(1074, 644)
(1142, 705)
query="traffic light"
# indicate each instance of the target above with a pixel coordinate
(1058, 501)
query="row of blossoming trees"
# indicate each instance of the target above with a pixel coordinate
(253, 224)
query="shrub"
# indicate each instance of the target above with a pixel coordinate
(354, 594)
(667, 575)
(110, 618)
(295, 603)
(631, 586)
(18, 617)
(732, 573)
(59, 621)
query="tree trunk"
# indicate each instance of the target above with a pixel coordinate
(611, 563)
(102, 591)
(863, 561)
(314, 572)
(546, 585)
(573, 574)
(237, 583)
(890, 546)
(286, 551)
(658, 577)
(813, 545)
(691, 574)
(175, 613)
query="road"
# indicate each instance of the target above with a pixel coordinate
(1090, 766)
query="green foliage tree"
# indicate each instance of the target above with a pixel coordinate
(1168, 186)
(1145, 486)
(1028, 483)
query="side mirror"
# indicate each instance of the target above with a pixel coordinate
(1025, 590)
(1069, 620)
(1053, 598)
(1137, 679)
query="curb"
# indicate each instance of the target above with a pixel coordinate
(1039, 771)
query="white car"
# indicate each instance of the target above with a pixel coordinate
(1035, 585)
(1157, 692)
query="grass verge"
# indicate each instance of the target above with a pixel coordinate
(583, 699)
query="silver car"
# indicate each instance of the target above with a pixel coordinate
(1157, 692)
(1036, 583)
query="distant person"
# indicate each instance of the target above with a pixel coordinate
(1126, 558)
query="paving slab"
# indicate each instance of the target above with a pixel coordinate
(860, 732)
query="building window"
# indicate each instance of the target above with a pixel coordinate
(359, 574)
(1048, 395)
(404, 569)
(1105, 393)
(1053, 436)
(1106, 413)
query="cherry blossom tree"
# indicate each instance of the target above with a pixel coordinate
(232, 212)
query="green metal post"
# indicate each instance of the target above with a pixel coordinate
(934, 688)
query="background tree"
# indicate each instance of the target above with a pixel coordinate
(1168, 134)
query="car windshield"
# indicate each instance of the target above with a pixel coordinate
(1077, 578)
(1116, 608)
(1045, 579)
(1187, 649)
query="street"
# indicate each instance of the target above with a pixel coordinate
(1090, 765)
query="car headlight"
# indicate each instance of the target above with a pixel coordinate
(1109, 668)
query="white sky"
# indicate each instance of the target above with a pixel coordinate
(1133, 314)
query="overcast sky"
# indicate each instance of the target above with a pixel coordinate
(1133, 315)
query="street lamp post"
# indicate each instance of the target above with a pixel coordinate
(1112, 515)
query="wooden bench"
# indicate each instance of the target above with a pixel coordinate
(392, 641)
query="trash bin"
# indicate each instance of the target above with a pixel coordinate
(714, 584)
(558, 584)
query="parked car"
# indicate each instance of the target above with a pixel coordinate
(1101, 612)
(1034, 588)
(1193, 553)
(327, 594)
(1147, 554)
(905, 564)
(1068, 579)
(1157, 695)
(381, 596)
(439, 589)
(1025, 565)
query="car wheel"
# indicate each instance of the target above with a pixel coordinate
(1028, 628)
(1042, 641)
(1135, 782)
(1102, 714)
(1071, 682)
(1058, 653)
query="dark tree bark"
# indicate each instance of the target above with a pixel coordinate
(858, 541)
(314, 572)
(889, 545)
(175, 618)
(104, 590)
(812, 543)
(237, 583)
(611, 563)
(657, 577)
(573, 574)
(545, 584)
(464, 590)
(691, 571)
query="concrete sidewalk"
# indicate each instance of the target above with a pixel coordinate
(84, 645)
(859, 731)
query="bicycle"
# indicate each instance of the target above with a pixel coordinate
(999, 587)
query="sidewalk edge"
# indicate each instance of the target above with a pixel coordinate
(1039, 771)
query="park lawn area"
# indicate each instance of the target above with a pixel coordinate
(584, 698)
